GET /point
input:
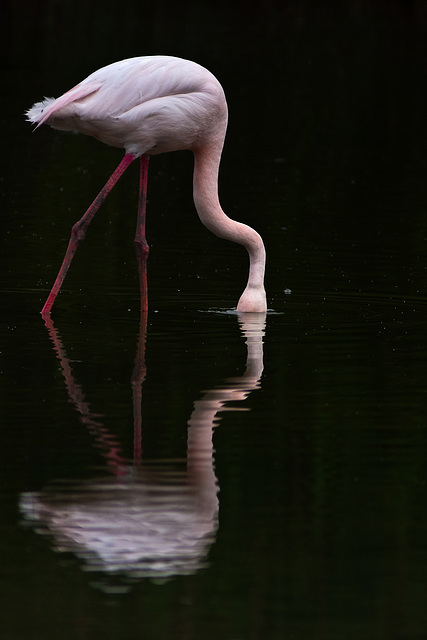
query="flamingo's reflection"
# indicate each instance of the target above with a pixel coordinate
(144, 519)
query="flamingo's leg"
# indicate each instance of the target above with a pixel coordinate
(79, 230)
(141, 244)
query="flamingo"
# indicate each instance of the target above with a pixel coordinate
(147, 106)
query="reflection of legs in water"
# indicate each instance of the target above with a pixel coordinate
(205, 409)
(109, 446)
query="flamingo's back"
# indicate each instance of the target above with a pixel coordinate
(145, 105)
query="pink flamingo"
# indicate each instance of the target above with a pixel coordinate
(151, 105)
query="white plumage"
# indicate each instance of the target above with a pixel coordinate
(144, 105)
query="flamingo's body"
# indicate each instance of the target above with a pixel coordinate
(151, 105)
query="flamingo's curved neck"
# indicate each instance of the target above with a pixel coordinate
(205, 193)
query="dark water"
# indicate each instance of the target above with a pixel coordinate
(193, 474)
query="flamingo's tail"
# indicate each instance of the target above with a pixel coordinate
(42, 111)
(35, 114)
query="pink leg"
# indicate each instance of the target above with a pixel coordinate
(141, 244)
(138, 377)
(79, 230)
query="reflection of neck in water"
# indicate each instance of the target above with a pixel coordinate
(145, 518)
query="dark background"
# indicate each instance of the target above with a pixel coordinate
(323, 482)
